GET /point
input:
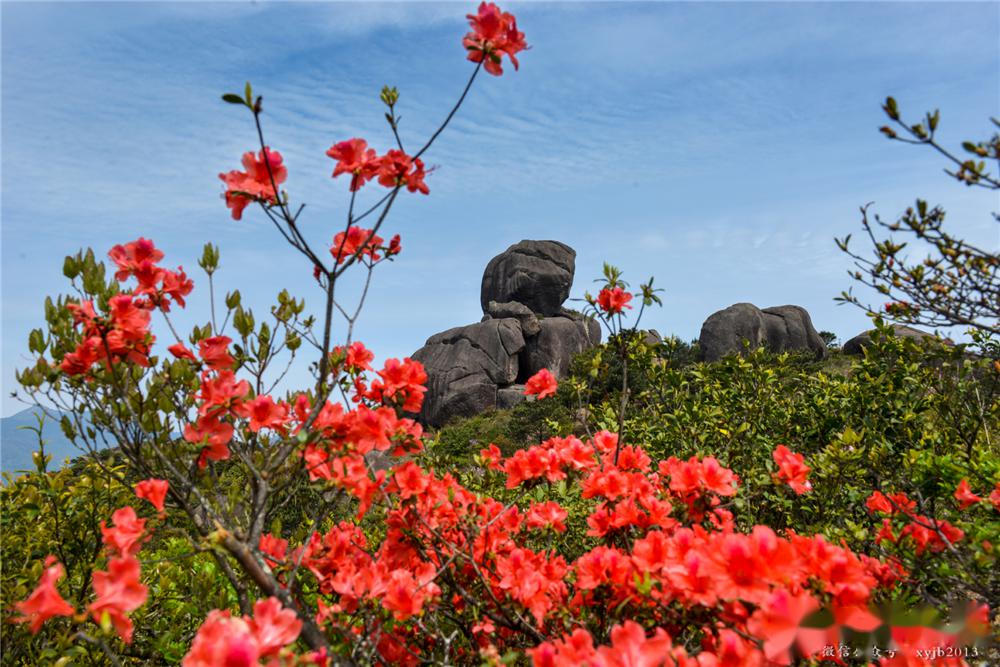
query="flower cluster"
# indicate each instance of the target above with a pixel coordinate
(264, 172)
(362, 243)
(227, 640)
(494, 34)
(118, 591)
(925, 532)
(394, 169)
(160, 286)
(121, 334)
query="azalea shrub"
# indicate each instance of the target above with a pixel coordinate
(813, 440)
(332, 535)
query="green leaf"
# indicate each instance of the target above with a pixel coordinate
(234, 99)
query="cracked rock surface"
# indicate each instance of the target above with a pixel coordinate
(779, 329)
(537, 274)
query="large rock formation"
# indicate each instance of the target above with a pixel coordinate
(524, 328)
(465, 365)
(857, 344)
(537, 274)
(790, 329)
(779, 329)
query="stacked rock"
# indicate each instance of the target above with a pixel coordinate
(525, 328)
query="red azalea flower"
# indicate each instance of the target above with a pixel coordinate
(792, 469)
(356, 241)
(45, 601)
(254, 184)
(125, 537)
(612, 301)
(354, 157)
(541, 384)
(265, 413)
(965, 496)
(181, 351)
(494, 34)
(214, 352)
(153, 490)
(118, 593)
(273, 626)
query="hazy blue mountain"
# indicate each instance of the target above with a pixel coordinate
(17, 443)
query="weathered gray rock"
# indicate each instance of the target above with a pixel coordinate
(790, 329)
(518, 311)
(779, 329)
(538, 274)
(724, 331)
(559, 339)
(651, 337)
(593, 326)
(508, 397)
(464, 367)
(864, 339)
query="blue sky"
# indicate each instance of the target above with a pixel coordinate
(720, 147)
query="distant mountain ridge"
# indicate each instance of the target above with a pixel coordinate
(18, 442)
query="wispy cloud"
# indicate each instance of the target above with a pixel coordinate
(717, 146)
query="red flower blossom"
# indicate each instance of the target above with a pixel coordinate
(118, 593)
(570, 651)
(357, 357)
(214, 352)
(611, 301)
(494, 34)
(357, 241)
(137, 258)
(995, 497)
(965, 496)
(181, 351)
(153, 490)
(45, 601)
(354, 157)
(215, 437)
(243, 641)
(273, 548)
(396, 168)
(273, 626)
(547, 515)
(631, 648)
(407, 591)
(877, 502)
(402, 382)
(222, 640)
(125, 537)
(265, 413)
(792, 469)
(779, 623)
(928, 533)
(254, 184)
(491, 457)
(394, 246)
(541, 384)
